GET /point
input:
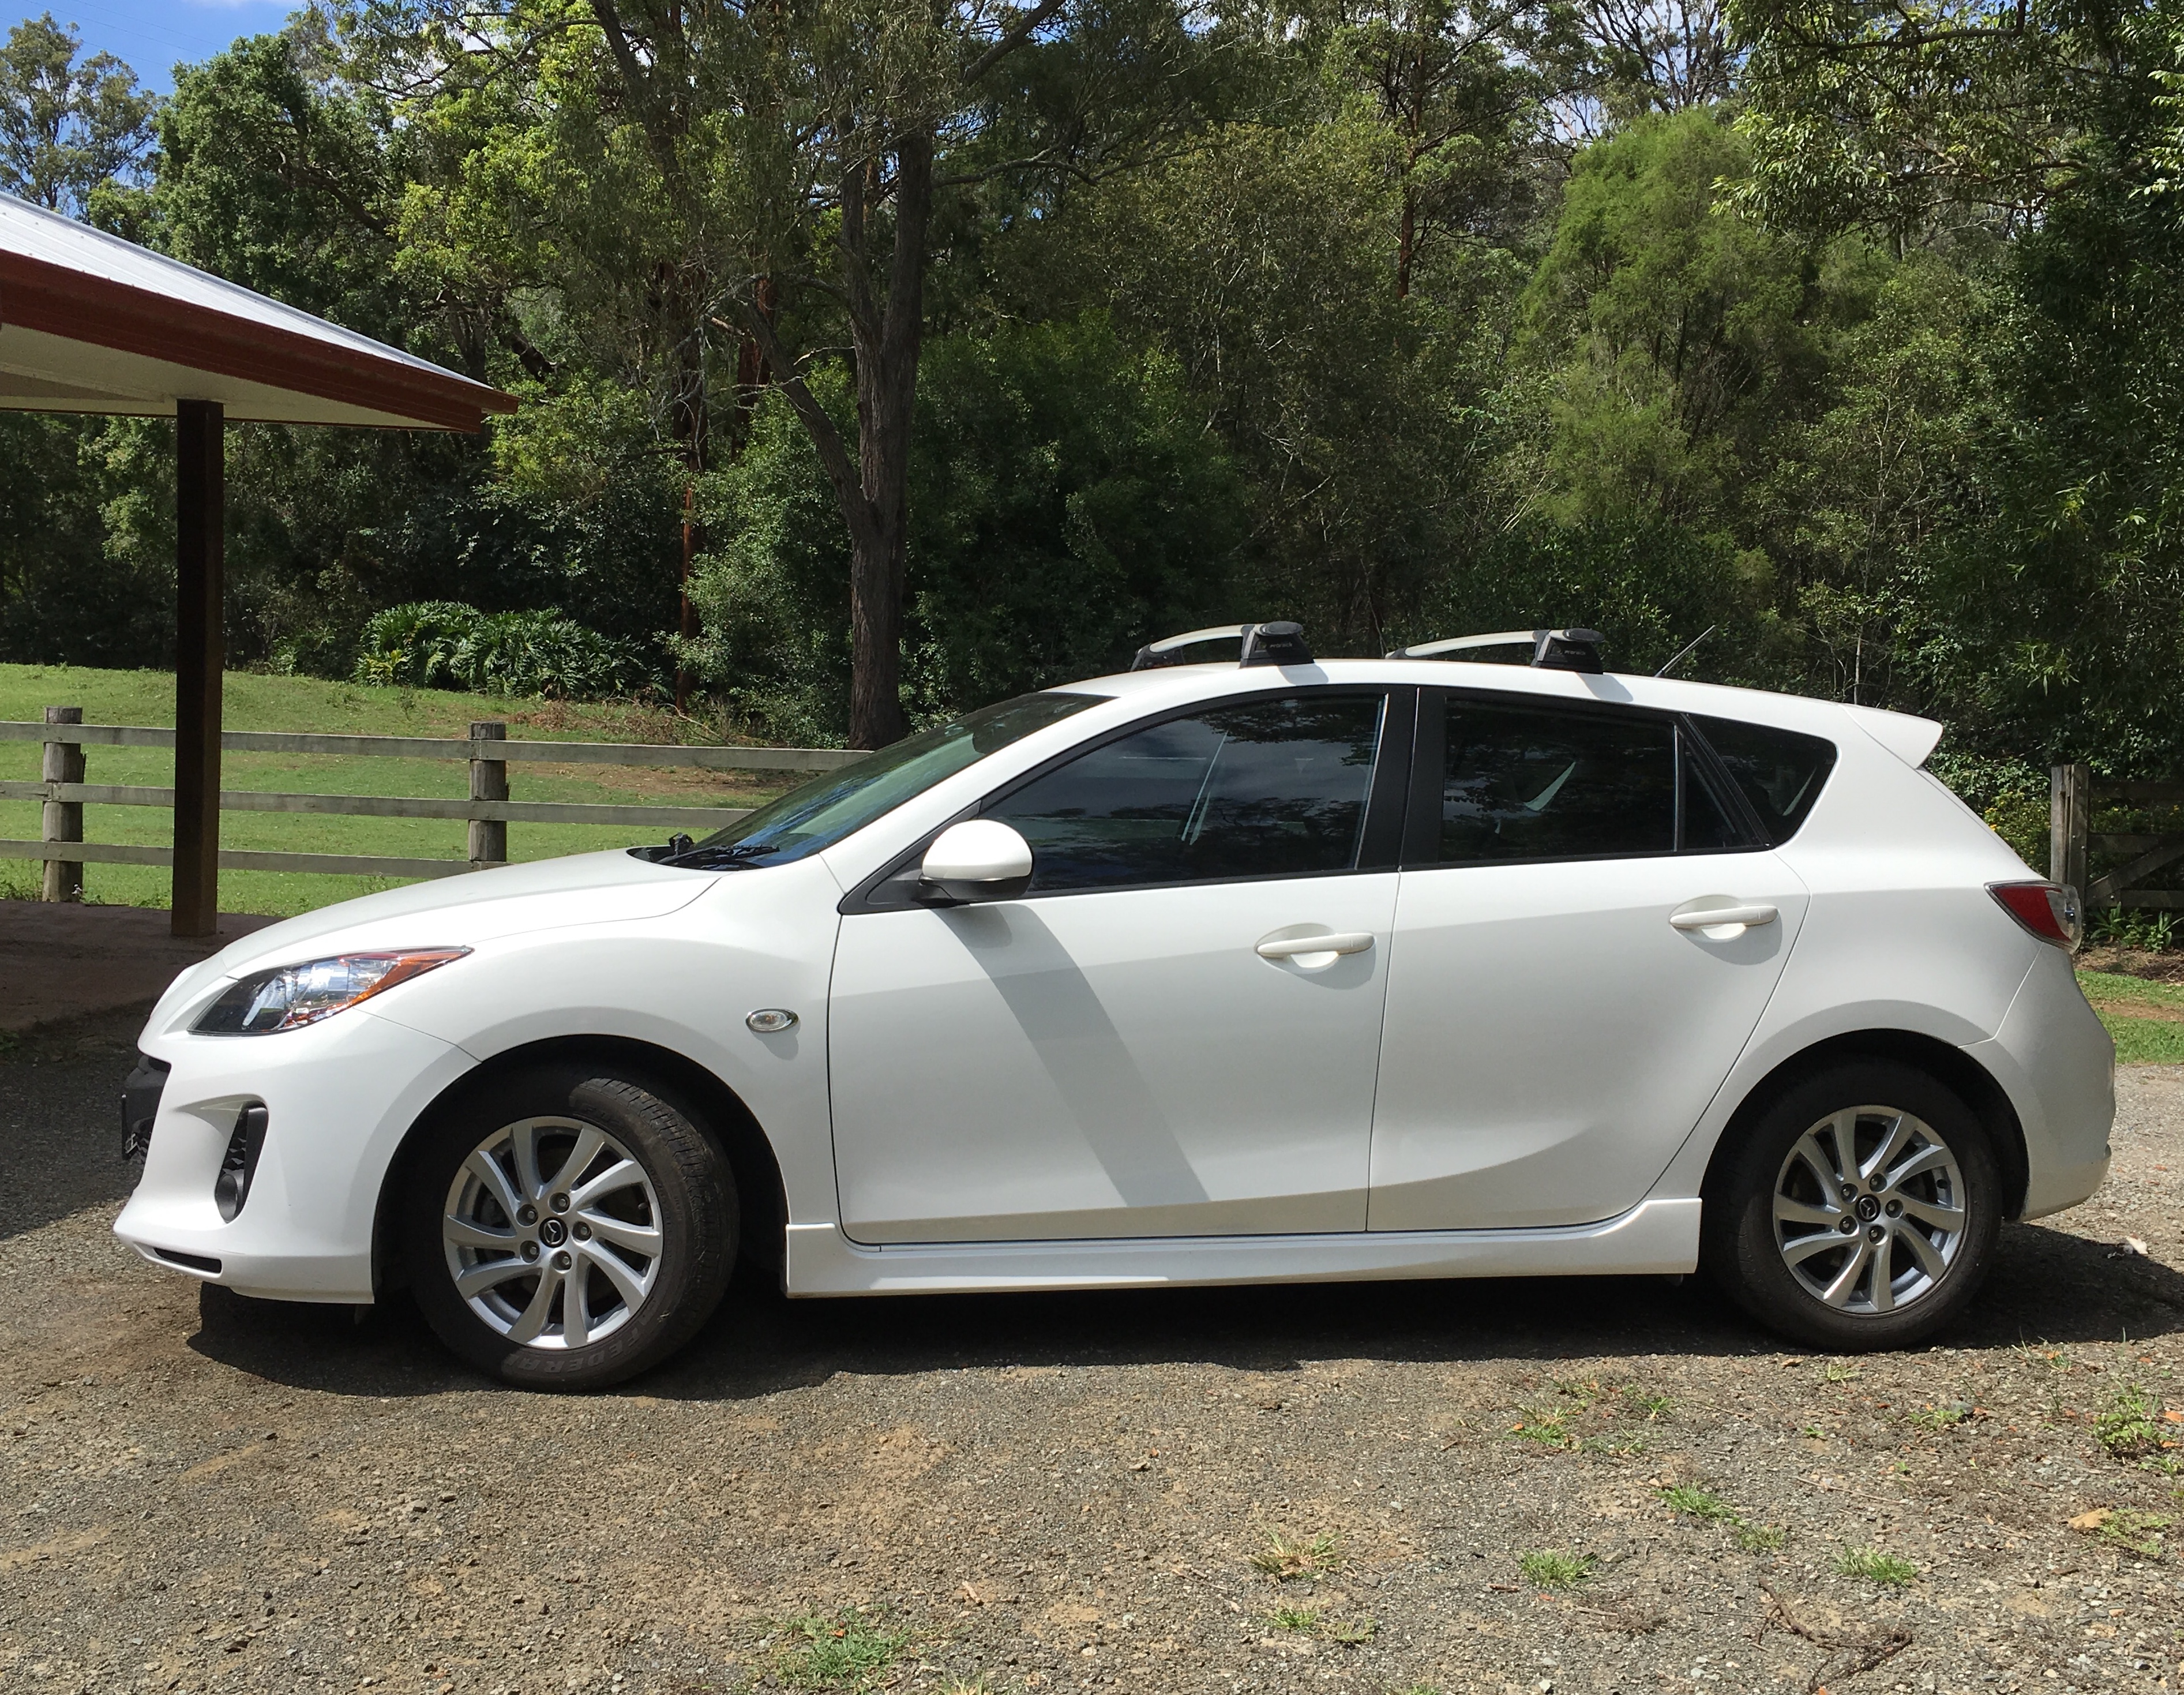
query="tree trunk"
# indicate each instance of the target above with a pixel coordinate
(886, 393)
(691, 417)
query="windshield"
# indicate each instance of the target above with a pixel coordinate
(818, 814)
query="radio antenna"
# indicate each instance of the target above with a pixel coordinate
(1687, 653)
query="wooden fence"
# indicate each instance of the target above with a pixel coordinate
(488, 811)
(2073, 796)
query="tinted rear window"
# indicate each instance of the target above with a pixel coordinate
(1779, 772)
(1531, 783)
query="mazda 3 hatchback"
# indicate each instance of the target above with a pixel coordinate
(1205, 973)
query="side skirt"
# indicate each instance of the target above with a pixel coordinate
(1659, 1236)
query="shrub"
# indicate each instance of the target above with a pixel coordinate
(446, 645)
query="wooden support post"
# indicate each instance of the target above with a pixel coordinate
(488, 782)
(2069, 821)
(63, 819)
(200, 655)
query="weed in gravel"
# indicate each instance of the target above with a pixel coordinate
(1703, 1504)
(1286, 1556)
(1301, 1619)
(1545, 1427)
(2138, 1533)
(1874, 1566)
(1550, 1569)
(1653, 1407)
(1941, 1417)
(847, 1651)
(1841, 1371)
(1700, 1504)
(2127, 1427)
(1353, 1631)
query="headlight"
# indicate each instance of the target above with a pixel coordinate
(290, 996)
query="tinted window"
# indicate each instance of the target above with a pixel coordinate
(1531, 783)
(818, 814)
(1270, 788)
(1779, 771)
(1707, 826)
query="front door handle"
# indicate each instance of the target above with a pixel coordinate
(1732, 919)
(1292, 947)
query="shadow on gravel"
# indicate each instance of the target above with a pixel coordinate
(60, 1117)
(2047, 1286)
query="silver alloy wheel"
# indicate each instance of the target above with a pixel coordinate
(552, 1233)
(1869, 1210)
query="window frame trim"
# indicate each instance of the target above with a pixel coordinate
(1380, 848)
(1428, 774)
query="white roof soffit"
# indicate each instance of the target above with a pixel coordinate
(92, 323)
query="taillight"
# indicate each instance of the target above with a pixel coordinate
(2049, 909)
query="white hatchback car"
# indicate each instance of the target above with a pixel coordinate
(1200, 974)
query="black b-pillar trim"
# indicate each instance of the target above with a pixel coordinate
(200, 656)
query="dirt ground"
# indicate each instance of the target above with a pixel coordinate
(1545, 1485)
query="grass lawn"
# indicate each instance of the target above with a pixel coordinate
(300, 703)
(2146, 1018)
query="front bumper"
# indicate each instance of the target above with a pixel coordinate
(338, 1095)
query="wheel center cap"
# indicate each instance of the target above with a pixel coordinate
(1867, 1207)
(553, 1232)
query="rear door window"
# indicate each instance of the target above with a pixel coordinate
(1524, 782)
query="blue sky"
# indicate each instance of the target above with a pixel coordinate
(152, 34)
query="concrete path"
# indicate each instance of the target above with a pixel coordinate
(62, 961)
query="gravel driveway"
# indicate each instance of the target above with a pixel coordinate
(1455, 1487)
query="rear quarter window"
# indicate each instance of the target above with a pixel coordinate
(1778, 772)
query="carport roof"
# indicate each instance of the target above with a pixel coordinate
(92, 323)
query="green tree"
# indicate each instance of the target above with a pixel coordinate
(1064, 499)
(71, 129)
(793, 166)
(1681, 332)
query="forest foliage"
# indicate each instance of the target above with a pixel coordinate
(974, 346)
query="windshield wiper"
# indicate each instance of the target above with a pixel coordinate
(727, 856)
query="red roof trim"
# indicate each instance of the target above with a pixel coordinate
(61, 302)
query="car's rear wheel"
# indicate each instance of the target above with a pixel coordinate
(566, 1227)
(1860, 1211)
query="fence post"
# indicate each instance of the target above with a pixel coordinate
(63, 819)
(488, 782)
(2070, 820)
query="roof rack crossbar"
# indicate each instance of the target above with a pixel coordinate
(1505, 639)
(1551, 649)
(1274, 644)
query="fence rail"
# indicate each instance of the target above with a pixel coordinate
(2073, 795)
(488, 752)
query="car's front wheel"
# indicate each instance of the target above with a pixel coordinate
(566, 1227)
(1860, 1211)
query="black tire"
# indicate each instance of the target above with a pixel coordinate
(684, 1192)
(1747, 1251)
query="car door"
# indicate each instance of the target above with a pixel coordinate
(1558, 1016)
(1110, 1053)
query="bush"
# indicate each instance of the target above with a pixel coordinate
(446, 645)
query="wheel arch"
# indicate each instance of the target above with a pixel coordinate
(714, 1107)
(1952, 1067)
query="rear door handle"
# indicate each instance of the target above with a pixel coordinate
(1288, 947)
(1707, 918)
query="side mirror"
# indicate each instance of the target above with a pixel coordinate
(980, 858)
